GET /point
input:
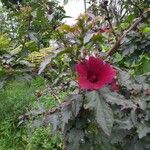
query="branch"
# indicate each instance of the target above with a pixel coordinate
(109, 21)
(123, 15)
(55, 95)
(134, 25)
(69, 102)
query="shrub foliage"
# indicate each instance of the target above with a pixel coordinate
(34, 41)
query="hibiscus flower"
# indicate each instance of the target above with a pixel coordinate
(94, 73)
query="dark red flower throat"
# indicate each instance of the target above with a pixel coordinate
(92, 77)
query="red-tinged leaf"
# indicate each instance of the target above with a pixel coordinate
(143, 130)
(103, 113)
(54, 120)
(115, 98)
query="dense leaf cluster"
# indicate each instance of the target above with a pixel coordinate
(34, 41)
(117, 120)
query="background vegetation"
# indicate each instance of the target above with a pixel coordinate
(37, 57)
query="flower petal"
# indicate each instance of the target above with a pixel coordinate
(107, 73)
(95, 64)
(81, 68)
(86, 84)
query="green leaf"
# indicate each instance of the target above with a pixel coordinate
(125, 123)
(143, 68)
(141, 103)
(74, 138)
(88, 37)
(124, 79)
(118, 135)
(133, 144)
(77, 101)
(48, 59)
(146, 30)
(143, 130)
(66, 113)
(54, 120)
(124, 25)
(65, 2)
(70, 109)
(103, 113)
(115, 98)
(146, 65)
(2, 83)
(67, 110)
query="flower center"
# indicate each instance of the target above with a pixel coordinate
(92, 77)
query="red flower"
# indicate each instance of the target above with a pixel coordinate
(104, 30)
(94, 73)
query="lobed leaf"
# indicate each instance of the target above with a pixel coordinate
(103, 113)
(68, 110)
(143, 130)
(115, 98)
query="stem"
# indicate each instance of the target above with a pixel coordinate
(110, 24)
(133, 26)
(85, 7)
(55, 96)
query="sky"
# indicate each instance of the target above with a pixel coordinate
(73, 8)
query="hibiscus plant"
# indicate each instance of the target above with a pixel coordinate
(110, 111)
(108, 108)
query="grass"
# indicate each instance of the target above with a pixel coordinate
(15, 99)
